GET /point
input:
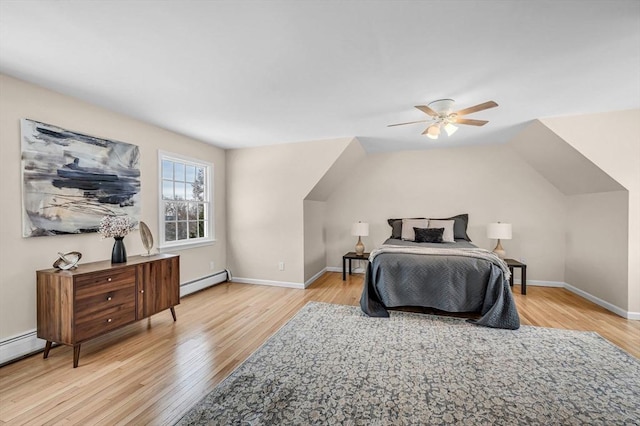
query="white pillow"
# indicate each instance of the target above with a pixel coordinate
(447, 237)
(408, 225)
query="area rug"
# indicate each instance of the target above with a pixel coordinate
(331, 364)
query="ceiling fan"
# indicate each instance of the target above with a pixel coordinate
(443, 117)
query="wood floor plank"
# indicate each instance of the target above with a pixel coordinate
(152, 371)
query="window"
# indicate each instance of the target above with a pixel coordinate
(185, 201)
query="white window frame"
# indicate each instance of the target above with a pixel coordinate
(164, 245)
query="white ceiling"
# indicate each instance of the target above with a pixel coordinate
(249, 73)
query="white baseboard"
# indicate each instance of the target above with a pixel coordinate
(310, 281)
(608, 306)
(18, 346)
(339, 269)
(287, 284)
(537, 283)
(633, 316)
(202, 283)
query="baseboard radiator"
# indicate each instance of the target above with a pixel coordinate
(204, 282)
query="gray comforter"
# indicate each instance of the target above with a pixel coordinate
(444, 282)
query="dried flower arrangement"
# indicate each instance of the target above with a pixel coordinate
(115, 226)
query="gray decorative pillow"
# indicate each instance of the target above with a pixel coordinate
(396, 227)
(459, 227)
(429, 235)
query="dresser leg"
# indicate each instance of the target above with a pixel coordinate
(47, 348)
(76, 355)
(173, 313)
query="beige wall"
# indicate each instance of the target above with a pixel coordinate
(612, 141)
(596, 258)
(315, 254)
(266, 188)
(491, 183)
(21, 257)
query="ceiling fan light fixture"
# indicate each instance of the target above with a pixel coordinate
(450, 129)
(443, 116)
(433, 131)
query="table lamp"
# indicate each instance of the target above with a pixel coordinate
(499, 231)
(360, 229)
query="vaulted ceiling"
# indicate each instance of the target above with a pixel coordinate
(249, 73)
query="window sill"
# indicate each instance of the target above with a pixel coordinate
(185, 246)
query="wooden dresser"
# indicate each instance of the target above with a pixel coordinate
(95, 298)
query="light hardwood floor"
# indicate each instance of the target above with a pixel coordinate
(151, 372)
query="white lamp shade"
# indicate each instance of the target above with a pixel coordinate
(360, 229)
(450, 129)
(433, 131)
(499, 231)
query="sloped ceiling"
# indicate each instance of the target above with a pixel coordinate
(336, 174)
(561, 164)
(239, 73)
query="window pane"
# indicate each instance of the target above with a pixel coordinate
(167, 190)
(182, 211)
(182, 230)
(193, 211)
(193, 229)
(170, 212)
(190, 195)
(167, 169)
(179, 170)
(198, 186)
(201, 228)
(191, 173)
(180, 192)
(201, 212)
(170, 231)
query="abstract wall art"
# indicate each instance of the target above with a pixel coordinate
(71, 180)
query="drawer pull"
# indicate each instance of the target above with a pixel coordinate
(109, 298)
(109, 279)
(109, 320)
(141, 291)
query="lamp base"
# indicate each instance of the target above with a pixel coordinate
(499, 251)
(359, 247)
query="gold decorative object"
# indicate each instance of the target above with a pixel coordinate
(147, 238)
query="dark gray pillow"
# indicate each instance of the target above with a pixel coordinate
(459, 226)
(396, 227)
(429, 235)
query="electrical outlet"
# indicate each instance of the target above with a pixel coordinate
(281, 266)
(212, 265)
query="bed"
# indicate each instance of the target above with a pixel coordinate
(448, 276)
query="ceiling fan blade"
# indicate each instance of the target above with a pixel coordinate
(410, 122)
(427, 110)
(480, 107)
(471, 122)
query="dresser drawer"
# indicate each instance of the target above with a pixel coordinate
(105, 320)
(105, 278)
(89, 300)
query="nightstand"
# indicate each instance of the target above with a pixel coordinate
(512, 264)
(351, 256)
